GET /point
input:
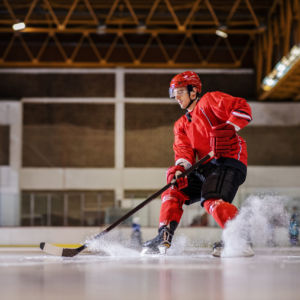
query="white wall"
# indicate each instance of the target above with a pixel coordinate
(11, 114)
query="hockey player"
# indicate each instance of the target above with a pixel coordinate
(211, 123)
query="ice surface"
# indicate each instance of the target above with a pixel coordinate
(110, 269)
(273, 273)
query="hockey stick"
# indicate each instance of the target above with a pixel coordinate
(70, 252)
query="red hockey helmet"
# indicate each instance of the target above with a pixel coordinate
(186, 79)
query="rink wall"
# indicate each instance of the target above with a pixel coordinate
(66, 134)
(32, 236)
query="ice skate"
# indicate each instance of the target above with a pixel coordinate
(217, 249)
(160, 244)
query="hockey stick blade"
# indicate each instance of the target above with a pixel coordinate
(60, 251)
(70, 252)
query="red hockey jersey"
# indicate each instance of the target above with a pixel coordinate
(192, 130)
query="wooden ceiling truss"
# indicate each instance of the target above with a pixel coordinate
(136, 27)
(153, 33)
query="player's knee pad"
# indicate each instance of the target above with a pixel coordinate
(171, 206)
(222, 183)
(173, 195)
(220, 210)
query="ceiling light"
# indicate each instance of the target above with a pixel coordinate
(19, 26)
(281, 68)
(141, 27)
(101, 29)
(221, 32)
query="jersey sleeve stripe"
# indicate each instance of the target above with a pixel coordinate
(237, 128)
(244, 116)
(242, 111)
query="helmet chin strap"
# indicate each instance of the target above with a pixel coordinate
(190, 89)
(192, 101)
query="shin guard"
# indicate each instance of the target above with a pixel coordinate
(171, 206)
(220, 210)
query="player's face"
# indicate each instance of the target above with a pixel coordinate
(182, 97)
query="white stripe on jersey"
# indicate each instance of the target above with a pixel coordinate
(237, 128)
(241, 115)
(206, 117)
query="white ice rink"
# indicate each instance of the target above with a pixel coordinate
(28, 273)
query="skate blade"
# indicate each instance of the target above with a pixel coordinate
(163, 250)
(216, 254)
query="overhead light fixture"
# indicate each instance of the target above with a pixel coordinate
(101, 29)
(18, 26)
(221, 32)
(281, 68)
(141, 27)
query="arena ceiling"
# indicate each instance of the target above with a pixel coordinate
(149, 34)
